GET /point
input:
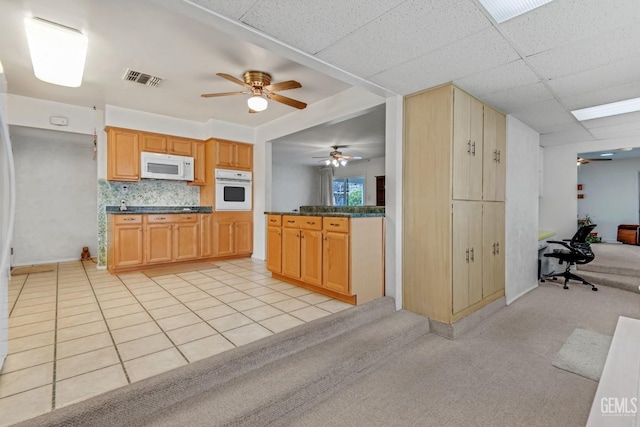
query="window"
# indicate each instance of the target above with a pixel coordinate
(348, 191)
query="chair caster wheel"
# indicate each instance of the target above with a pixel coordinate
(585, 283)
(565, 287)
(554, 278)
(594, 289)
(542, 280)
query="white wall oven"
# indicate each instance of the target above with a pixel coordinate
(233, 190)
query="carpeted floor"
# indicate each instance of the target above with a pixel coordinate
(386, 372)
(584, 353)
(613, 256)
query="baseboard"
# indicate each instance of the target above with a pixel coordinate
(455, 330)
(521, 294)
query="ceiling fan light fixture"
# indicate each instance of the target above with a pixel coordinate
(257, 103)
(58, 53)
(327, 162)
(335, 163)
(343, 162)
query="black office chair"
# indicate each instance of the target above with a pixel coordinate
(577, 251)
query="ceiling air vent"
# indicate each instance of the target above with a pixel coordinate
(142, 78)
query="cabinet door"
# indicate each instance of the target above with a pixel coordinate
(153, 143)
(180, 146)
(128, 244)
(291, 252)
(243, 243)
(493, 248)
(494, 155)
(476, 113)
(466, 254)
(225, 154)
(185, 241)
(336, 262)
(274, 249)
(158, 242)
(244, 156)
(467, 146)
(206, 248)
(123, 161)
(311, 256)
(199, 160)
(223, 237)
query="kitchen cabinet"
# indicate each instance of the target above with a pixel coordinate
(199, 160)
(233, 155)
(274, 243)
(233, 233)
(495, 155)
(338, 256)
(123, 155)
(158, 242)
(153, 143)
(449, 269)
(180, 146)
(127, 246)
(172, 237)
(206, 235)
(186, 241)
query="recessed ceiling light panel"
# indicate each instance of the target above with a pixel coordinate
(503, 10)
(606, 154)
(606, 110)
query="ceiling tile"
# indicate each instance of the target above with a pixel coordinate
(575, 134)
(474, 54)
(545, 117)
(231, 9)
(404, 33)
(626, 120)
(312, 25)
(562, 22)
(617, 131)
(507, 76)
(517, 98)
(587, 54)
(602, 96)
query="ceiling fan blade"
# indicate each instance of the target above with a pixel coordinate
(289, 84)
(288, 101)
(212, 95)
(235, 80)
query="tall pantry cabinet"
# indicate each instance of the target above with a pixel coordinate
(454, 180)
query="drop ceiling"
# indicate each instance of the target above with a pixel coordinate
(565, 55)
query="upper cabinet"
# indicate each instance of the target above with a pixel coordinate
(125, 146)
(233, 155)
(495, 160)
(123, 155)
(467, 146)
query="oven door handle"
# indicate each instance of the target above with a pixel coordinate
(233, 181)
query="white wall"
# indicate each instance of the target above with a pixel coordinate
(56, 196)
(610, 194)
(369, 169)
(5, 226)
(294, 186)
(559, 204)
(521, 210)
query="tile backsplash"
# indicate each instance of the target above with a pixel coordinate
(141, 193)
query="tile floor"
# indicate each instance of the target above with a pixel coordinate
(78, 332)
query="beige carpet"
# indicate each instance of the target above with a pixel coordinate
(584, 353)
(163, 271)
(30, 269)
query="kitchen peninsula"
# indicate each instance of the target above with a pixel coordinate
(336, 251)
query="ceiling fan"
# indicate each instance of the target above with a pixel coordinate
(583, 161)
(258, 83)
(336, 158)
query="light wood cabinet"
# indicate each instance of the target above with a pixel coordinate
(338, 256)
(185, 241)
(494, 165)
(127, 241)
(180, 146)
(158, 242)
(233, 155)
(153, 143)
(199, 160)
(123, 155)
(206, 235)
(233, 233)
(448, 271)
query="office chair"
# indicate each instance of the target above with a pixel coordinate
(577, 251)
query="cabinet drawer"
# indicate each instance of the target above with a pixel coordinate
(180, 218)
(336, 224)
(274, 220)
(127, 219)
(310, 222)
(291, 221)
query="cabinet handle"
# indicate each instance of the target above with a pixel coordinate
(472, 259)
(140, 228)
(290, 221)
(497, 248)
(189, 217)
(160, 217)
(273, 220)
(128, 219)
(469, 147)
(278, 232)
(334, 225)
(473, 150)
(494, 248)
(499, 157)
(311, 222)
(495, 155)
(467, 255)
(302, 236)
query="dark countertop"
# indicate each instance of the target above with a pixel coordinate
(331, 214)
(337, 211)
(158, 210)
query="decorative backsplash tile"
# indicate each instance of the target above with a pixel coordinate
(142, 193)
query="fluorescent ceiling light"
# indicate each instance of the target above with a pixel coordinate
(606, 154)
(503, 10)
(58, 53)
(606, 110)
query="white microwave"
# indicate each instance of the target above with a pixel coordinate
(165, 166)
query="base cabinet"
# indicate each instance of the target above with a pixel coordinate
(233, 233)
(128, 241)
(341, 257)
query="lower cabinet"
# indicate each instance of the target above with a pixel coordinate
(135, 240)
(233, 233)
(339, 256)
